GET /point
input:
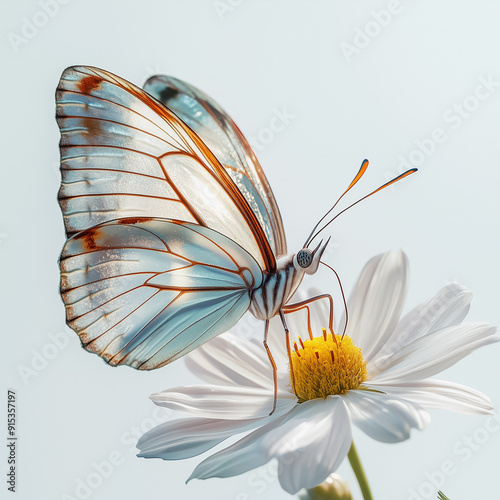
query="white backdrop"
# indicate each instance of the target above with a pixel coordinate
(396, 82)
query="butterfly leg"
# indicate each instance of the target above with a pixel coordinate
(289, 308)
(287, 335)
(273, 364)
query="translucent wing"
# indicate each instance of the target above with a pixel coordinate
(227, 143)
(143, 292)
(123, 154)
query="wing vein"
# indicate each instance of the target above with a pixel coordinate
(62, 103)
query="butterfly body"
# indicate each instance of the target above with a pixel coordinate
(276, 289)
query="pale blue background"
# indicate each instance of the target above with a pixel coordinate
(255, 57)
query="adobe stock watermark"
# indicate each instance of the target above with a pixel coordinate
(277, 123)
(463, 450)
(453, 119)
(247, 327)
(224, 7)
(152, 70)
(31, 25)
(42, 357)
(99, 471)
(364, 36)
(261, 478)
(417, 325)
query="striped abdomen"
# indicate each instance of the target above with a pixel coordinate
(276, 289)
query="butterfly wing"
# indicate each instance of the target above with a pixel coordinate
(123, 154)
(144, 291)
(218, 131)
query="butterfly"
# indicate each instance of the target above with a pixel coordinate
(173, 229)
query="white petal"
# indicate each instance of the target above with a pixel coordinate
(224, 402)
(310, 440)
(385, 417)
(244, 455)
(232, 360)
(447, 308)
(439, 394)
(434, 353)
(228, 360)
(189, 437)
(315, 446)
(377, 301)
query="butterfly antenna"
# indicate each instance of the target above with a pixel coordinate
(387, 184)
(343, 296)
(362, 170)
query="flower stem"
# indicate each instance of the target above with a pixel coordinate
(359, 472)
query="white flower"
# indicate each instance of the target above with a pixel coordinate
(309, 435)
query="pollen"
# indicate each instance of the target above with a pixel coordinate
(326, 365)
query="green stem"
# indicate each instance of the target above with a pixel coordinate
(360, 473)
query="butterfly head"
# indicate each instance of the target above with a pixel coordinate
(307, 260)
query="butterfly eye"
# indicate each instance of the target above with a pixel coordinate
(304, 258)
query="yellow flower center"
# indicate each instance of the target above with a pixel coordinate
(326, 365)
